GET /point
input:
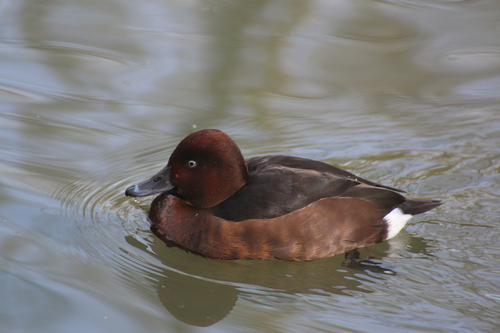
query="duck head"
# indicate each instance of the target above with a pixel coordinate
(206, 168)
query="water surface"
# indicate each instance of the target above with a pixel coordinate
(95, 95)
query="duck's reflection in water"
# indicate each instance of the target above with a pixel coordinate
(201, 292)
(195, 301)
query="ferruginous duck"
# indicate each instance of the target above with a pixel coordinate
(217, 204)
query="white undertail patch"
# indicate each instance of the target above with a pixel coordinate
(396, 220)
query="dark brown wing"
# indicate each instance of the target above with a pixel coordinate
(278, 185)
(306, 164)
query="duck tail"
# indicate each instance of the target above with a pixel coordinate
(414, 207)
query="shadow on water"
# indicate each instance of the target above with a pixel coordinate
(196, 290)
(201, 292)
(94, 93)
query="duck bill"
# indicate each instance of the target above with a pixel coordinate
(159, 183)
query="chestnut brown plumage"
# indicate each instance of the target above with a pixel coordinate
(305, 234)
(218, 205)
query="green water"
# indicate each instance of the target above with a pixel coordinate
(95, 95)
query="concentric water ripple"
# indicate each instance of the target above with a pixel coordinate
(183, 282)
(114, 229)
(105, 218)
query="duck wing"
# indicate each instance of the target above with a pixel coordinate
(278, 185)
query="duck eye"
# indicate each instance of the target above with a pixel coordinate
(191, 164)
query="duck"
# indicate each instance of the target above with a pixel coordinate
(215, 203)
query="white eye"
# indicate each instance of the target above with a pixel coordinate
(191, 164)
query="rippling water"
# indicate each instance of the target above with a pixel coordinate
(95, 95)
